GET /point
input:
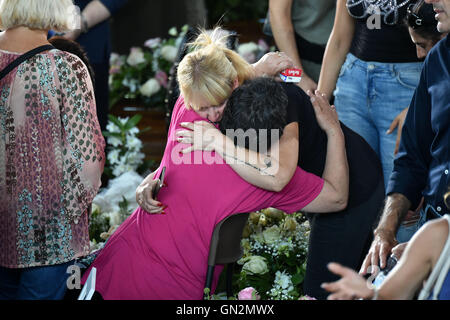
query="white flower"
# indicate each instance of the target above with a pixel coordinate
(133, 131)
(133, 142)
(255, 265)
(247, 48)
(149, 88)
(152, 43)
(271, 234)
(114, 141)
(113, 156)
(111, 127)
(169, 53)
(136, 56)
(173, 31)
(123, 120)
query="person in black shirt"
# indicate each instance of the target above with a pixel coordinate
(342, 236)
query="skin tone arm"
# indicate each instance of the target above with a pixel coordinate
(335, 191)
(270, 171)
(94, 13)
(334, 195)
(284, 35)
(337, 48)
(395, 209)
(404, 281)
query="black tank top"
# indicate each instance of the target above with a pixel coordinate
(385, 38)
(365, 171)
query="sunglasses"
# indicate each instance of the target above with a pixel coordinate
(414, 21)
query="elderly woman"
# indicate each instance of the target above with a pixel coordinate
(51, 152)
(164, 256)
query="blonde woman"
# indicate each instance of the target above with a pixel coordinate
(51, 151)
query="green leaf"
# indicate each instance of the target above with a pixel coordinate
(131, 123)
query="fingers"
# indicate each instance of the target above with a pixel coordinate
(188, 125)
(394, 125)
(365, 265)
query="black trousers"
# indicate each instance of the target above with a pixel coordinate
(343, 237)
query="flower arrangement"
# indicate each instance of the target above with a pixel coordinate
(143, 73)
(124, 147)
(274, 261)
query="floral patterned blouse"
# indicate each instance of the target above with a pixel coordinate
(51, 159)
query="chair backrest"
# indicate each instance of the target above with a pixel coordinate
(225, 245)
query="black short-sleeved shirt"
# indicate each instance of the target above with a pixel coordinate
(365, 171)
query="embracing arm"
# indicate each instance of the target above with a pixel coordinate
(337, 48)
(268, 171)
(334, 195)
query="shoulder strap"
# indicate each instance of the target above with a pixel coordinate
(24, 57)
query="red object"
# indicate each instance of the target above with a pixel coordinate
(291, 75)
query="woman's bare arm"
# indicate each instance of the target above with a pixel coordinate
(270, 171)
(337, 48)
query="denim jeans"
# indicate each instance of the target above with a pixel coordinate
(35, 283)
(369, 95)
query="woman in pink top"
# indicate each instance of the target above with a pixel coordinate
(165, 256)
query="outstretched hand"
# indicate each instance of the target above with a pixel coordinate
(351, 285)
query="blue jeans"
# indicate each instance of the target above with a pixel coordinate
(35, 283)
(369, 95)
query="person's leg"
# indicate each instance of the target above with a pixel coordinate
(44, 283)
(343, 237)
(9, 283)
(392, 93)
(350, 99)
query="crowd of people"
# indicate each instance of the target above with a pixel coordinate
(362, 147)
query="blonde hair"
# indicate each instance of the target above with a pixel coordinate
(211, 69)
(57, 15)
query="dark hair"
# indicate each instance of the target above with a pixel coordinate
(420, 17)
(259, 103)
(73, 47)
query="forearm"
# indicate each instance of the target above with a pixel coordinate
(395, 209)
(336, 171)
(284, 35)
(333, 60)
(95, 12)
(337, 48)
(267, 171)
